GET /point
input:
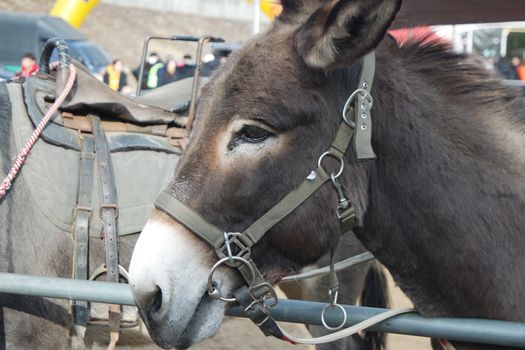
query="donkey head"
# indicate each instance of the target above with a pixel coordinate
(263, 121)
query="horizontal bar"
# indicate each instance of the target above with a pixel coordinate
(459, 329)
(182, 38)
(66, 288)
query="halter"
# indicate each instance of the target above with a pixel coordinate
(234, 248)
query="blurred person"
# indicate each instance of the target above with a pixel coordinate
(520, 69)
(152, 80)
(28, 65)
(188, 60)
(505, 69)
(219, 56)
(489, 62)
(186, 67)
(152, 60)
(115, 77)
(515, 61)
(168, 73)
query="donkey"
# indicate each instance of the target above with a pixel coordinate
(31, 243)
(441, 207)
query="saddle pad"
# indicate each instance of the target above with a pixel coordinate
(52, 175)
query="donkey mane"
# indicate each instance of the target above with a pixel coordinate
(470, 81)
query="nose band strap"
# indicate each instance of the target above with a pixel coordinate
(189, 218)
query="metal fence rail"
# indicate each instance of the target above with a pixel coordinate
(467, 330)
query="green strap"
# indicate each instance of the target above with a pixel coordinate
(286, 205)
(182, 213)
(341, 141)
(368, 71)
(362, 118)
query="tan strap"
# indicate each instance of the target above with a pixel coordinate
(114, 325)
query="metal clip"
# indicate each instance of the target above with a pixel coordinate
(333, 293)
(343, 202)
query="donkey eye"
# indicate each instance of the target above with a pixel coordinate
(254, 134)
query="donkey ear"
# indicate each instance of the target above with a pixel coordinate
(297, 11)
(340, 32)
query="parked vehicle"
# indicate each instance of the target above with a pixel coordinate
(21, 33)
(5, 74)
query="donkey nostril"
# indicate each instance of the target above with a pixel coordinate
(151, 300)
(156, 303)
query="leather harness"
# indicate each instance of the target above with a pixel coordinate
(95, 150)
(138, 125)
(234, 249)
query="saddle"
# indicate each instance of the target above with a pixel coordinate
(99, 165)
(154, 121)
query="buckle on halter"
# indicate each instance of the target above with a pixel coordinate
(265, 294)
(233, 246)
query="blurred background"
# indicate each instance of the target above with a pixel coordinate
(107, 35)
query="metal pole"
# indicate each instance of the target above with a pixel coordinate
(142, 62)
(458, 329)
(503, 44)
(465, 330)
(196, 81)
(196, 77)
(66, 288)
(256, 16)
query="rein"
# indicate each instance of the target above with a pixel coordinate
(234, 248)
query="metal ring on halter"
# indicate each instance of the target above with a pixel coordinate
(366, 95)
(335, 176)
(345, 316)
(214, 291)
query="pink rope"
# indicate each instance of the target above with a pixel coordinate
(24, 152)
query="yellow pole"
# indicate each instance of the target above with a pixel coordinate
(73, 11)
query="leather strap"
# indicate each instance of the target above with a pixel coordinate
(109, 208)
(81, 123)
(109, 213)
(82, 217)
(188, 217)
(258, 313)
(362, 118)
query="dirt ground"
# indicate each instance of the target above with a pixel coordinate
(121, 32)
